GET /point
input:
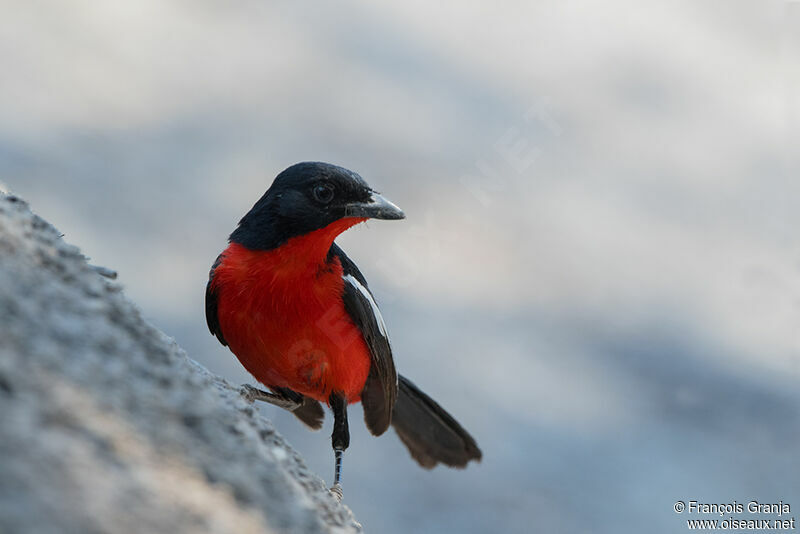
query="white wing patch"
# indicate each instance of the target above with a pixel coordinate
(353, 281)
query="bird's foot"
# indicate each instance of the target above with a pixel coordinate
(337, 492)
(252, 394)
(104, 271)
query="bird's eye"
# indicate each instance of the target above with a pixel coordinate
(323, 193)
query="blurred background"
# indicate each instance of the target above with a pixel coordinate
(599, 275)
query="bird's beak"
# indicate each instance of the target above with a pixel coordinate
(377, 207)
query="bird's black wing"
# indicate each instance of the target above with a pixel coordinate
(211, 305)
(380, 391)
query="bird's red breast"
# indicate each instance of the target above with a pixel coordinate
(282, 314)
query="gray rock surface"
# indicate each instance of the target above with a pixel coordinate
(107, 426)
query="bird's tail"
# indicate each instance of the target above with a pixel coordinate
(430, 433)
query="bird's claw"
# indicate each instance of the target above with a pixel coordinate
(252, 394)
(249, 393)
(104, 271)
(337, 492)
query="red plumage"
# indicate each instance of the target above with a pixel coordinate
(282, 315)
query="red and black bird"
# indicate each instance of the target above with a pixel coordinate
(299, 315)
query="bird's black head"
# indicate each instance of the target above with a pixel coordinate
(306, 197)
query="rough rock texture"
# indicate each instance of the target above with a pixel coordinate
(107, 426)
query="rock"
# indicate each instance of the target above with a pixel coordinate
(107, 426)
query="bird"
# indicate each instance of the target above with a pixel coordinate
(299, 315)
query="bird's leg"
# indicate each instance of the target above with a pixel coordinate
(340, 439)
(278, 399)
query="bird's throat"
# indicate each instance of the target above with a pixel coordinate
(310, 251)
(299, 257)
